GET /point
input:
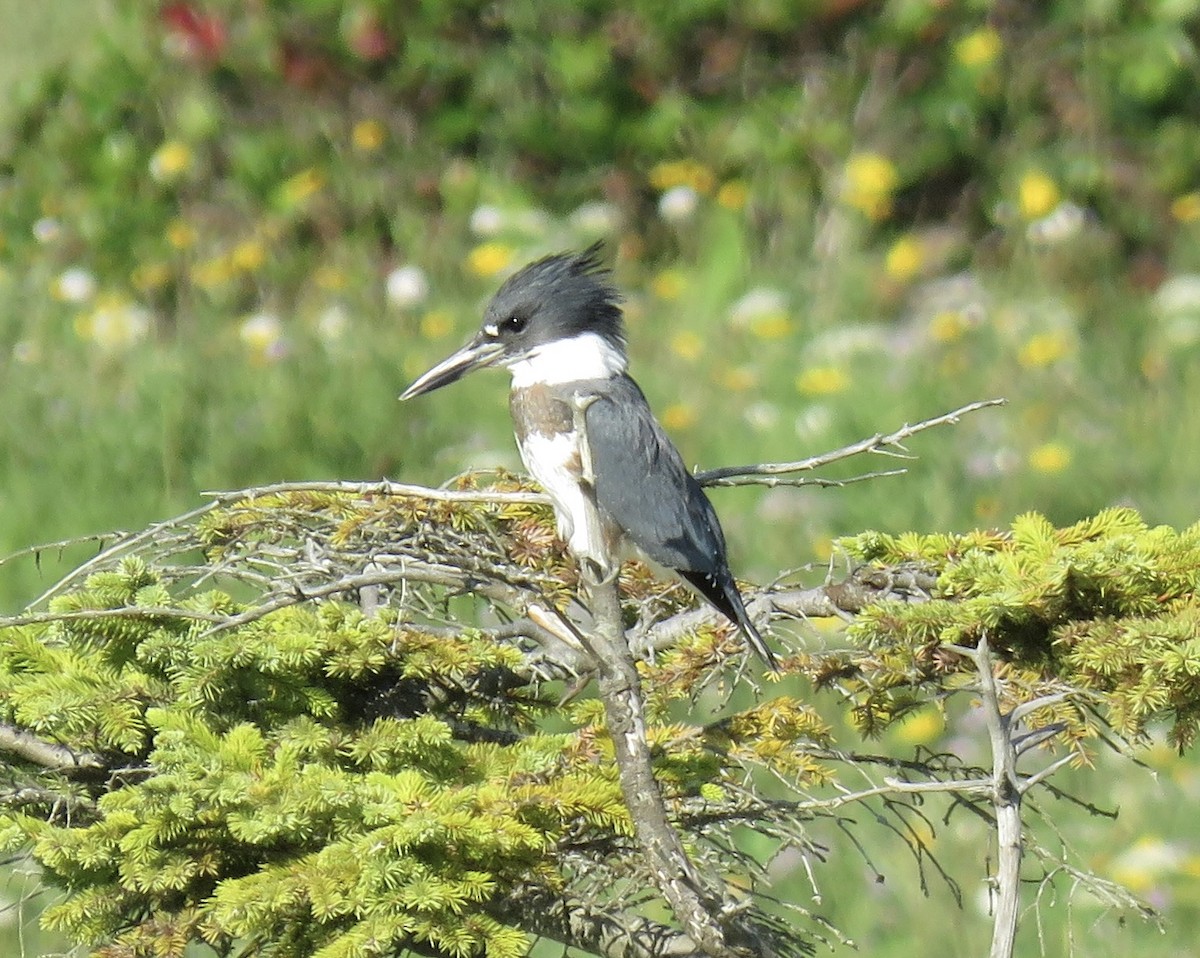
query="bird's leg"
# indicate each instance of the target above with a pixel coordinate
(603, 567)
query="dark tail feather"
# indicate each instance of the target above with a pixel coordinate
(722, 593)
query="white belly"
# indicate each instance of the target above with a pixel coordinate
(554, 461)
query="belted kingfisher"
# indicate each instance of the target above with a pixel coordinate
(581, 422)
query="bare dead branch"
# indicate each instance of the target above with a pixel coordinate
(124, 612)
(122, 546)
(571, 922)
(49, 755)
(382, 487)
(774, 481)
(889, 443)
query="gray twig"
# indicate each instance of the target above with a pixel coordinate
(889, 443)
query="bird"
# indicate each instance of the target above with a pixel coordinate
(586, 433)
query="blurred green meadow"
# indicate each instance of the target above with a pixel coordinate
(231, 234)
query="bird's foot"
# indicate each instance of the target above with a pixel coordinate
(597, 572)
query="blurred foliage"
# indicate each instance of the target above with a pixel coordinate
(209, 148)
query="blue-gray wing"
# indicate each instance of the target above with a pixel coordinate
(643, 485)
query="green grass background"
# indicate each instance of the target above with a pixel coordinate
(95, 440)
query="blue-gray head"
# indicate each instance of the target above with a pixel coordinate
(556, 320)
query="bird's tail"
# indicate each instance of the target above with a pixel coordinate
(722, 592)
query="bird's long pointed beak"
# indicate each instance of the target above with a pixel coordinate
(477, 354)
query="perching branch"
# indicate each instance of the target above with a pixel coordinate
(694, 900)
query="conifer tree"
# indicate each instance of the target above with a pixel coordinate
(350, 720)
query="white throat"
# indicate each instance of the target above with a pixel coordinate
(586, 356)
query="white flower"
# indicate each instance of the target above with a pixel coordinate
(678, 204)
(47, 229)
(332, 323)
(487, 220)
(1181, 332)
(762, 416)
(845, 342)
(1059, 225)
(1178, 296)
(26, 352)
(407, 286)
(758, 303)
(596, 218)
(262, 332)
(992, 462)
(118, 325)
(815, 422)
(75, 285)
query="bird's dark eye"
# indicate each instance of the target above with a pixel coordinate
(515, 323)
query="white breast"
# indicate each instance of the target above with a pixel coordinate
(554, 461)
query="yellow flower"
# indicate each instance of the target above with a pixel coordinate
(180, 234)
(367, 135)
(679, 416)
(436, 323)
(1186, 208)
(261, 332)
(489, 259)
(868, 182)
(1037, 195)
(1153, 366)
(922, 728)
(987, 508)
(737, 379)
(979, 48)
(687, 345)
(330, 277)
(150, 276)
(948, 326)
(170, 161)
(1145, 863)
(904, 258)
(115, 323)
(212, 272)
(296, 189)
(248, 256)
(822, 381)
(1044, 349)
(822, 548)
(673, 173)
(669, 284)
(1050, 458)
(733, 194)
(771, 326)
